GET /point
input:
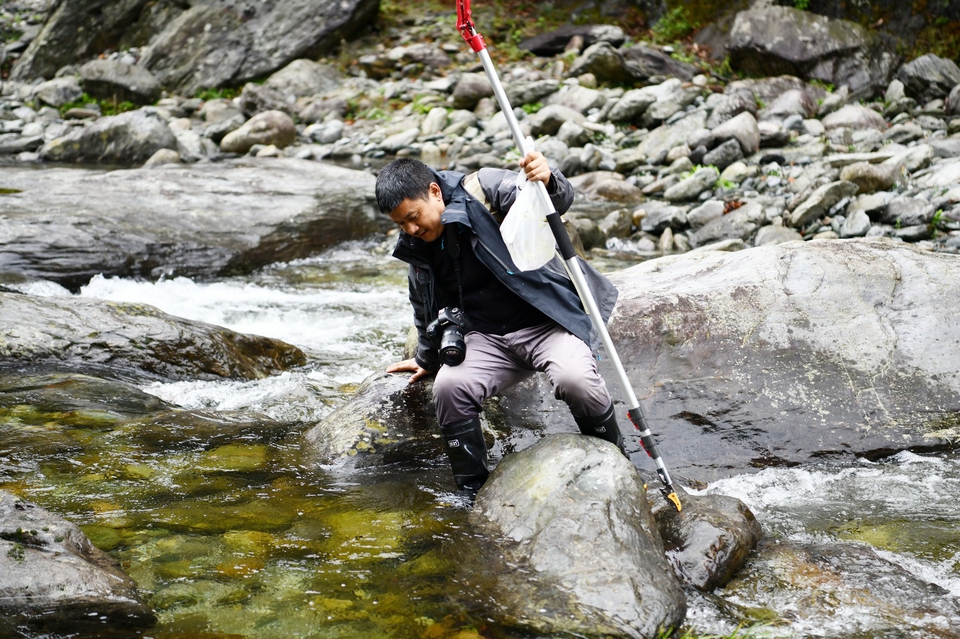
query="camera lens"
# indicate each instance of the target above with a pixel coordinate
(453, 349)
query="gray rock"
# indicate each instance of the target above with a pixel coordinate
(870, 178)
(317, 110)
(904, 133)
(782, 40)
(945, 148)
(556, 41)
(549, 119)
(738, 225)
(632, 105)
(572, 134)
(834, 101)
(813, 322)
(112, 80)
(470, 88)
(790, 103)
(820, 202)
(20, 144)
(578, 98)
(589, 231)
(161, 157)
(856, 117)
(856, 224)
(59, 91)
(125, 139)
(895, 91)
(660, 218)
(952, 103)
(658, 143)
(691, 187)
(773, 234)
(219, 130)
(709, 210)
(303, 78)
(742, 128)
(908, 211)
(724, 155)
(218, 110)
(944, 175)
(401, 140)
(520, 93)
(269, 127)
(607, 64)
(929, 77)
(730, 105)
(573, 511)
(628, 159)
(258, 98)
(709, 540)
(55, 581)
(213, 45)
(131, 341)
(616, 223)
(434, 122)
(137, 221)
(654, 62)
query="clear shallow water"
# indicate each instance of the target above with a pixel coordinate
(229, 534)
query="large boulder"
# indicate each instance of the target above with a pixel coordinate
(607, 64)
(556, 41)
(125, 139)
(570, 546)
(130, 341)
(54, 582)
(68, 225)
(776, 40)
(929, 77)
(215, 44)
(302, 78)
(113, 80)
(270, 127)
(790, 353)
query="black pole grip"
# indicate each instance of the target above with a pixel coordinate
(560, 234)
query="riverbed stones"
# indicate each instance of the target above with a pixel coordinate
(59, 91)
(54, 580)
(929, 77)
(302, 78)
(128, 138)
(571, 511)
(742, 128)
(871, 178)
(855, 117)
(820, 202)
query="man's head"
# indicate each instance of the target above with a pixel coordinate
(407, 192)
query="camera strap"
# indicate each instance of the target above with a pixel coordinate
(451, 245)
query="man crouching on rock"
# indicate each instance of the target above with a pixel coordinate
(483, 324)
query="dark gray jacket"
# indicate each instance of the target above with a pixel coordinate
(548, 288)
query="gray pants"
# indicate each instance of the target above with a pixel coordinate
(497, 362)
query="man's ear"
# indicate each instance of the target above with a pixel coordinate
(435, 191)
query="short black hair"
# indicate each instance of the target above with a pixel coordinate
(401, 179)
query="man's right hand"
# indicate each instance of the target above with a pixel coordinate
(409, 366)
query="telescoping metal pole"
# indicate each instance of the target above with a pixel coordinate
(475, 40)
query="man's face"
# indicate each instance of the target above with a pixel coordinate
(421, 218)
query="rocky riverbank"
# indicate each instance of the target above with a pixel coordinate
(691, 157)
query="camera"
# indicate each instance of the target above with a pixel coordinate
(448, 327)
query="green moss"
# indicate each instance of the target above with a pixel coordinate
(672, 26)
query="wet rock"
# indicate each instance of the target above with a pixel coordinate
(125, 139)
(386, 420)
(556, 41)
(132, 342)
(783, 40)
(136, 218)
(303, 78)
(270, 127)
(845, 576)
(113, 80)
(59, 91)
(573, 511)
(929, 77)
(658, 219)
(708, 541)
(55, 581)
(820, 202)
(789, 338)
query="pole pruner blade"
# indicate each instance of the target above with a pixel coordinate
(466, 27)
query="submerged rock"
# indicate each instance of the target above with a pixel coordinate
(53, 580)
(573, 547)
(130, 342)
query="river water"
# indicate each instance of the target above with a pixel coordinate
(228, 534)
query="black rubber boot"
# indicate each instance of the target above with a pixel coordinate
(603, 426)
(467, 453)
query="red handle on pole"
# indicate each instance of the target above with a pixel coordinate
(466, 27)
